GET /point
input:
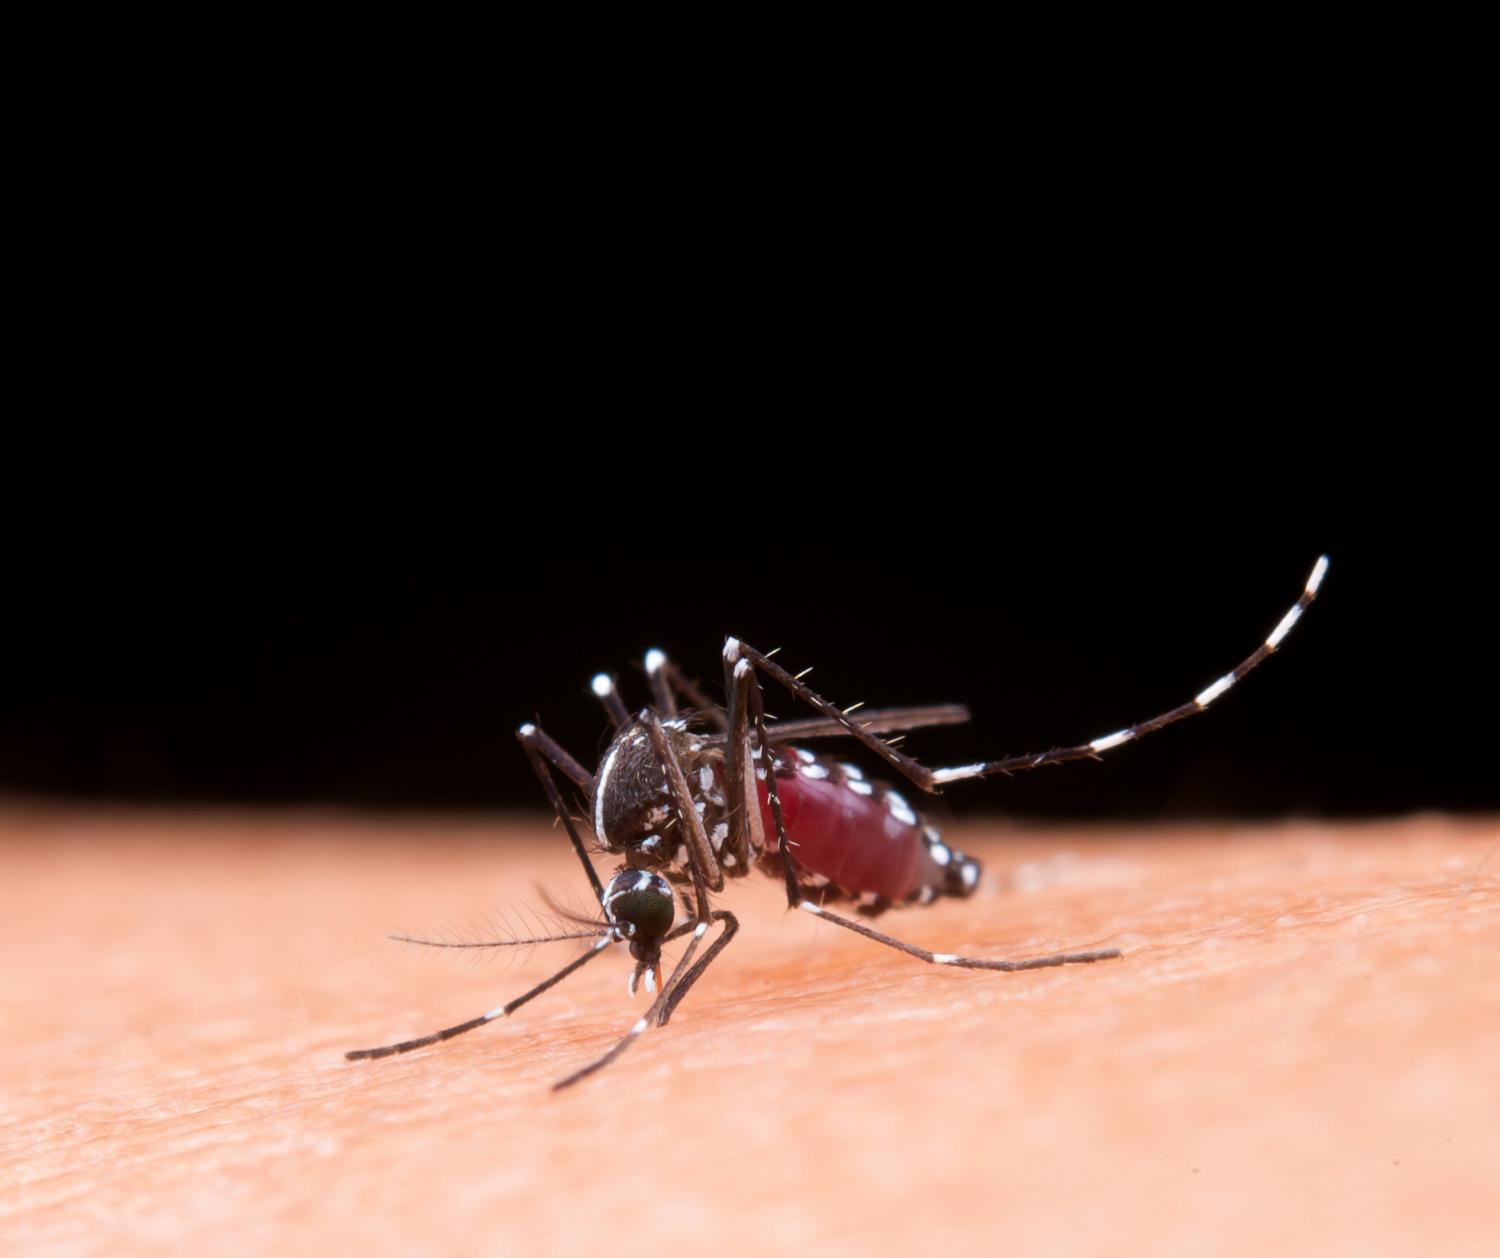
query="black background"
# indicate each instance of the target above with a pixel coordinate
(380, 651)
(352, 455)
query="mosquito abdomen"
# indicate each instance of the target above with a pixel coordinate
(861, 836)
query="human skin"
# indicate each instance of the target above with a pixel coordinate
(1299, 1051)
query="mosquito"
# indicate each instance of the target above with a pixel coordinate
(692, 793)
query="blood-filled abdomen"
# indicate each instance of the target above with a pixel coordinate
(861, 836)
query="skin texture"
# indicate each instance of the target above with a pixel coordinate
(1299, 1053)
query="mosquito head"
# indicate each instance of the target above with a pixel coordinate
(640, 905)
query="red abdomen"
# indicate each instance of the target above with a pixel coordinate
(859, 835)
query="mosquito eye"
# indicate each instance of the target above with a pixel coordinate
(641, 901)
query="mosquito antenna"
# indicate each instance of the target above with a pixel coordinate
(567, 914)
(499, 943)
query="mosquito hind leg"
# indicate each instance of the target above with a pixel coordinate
(931, 779)
(797, 898)
(953, 959)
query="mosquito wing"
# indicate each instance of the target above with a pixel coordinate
(875, 720)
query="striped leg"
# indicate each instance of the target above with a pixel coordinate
(406, 1046)
(950, 958)
(731, 928)
(931, 779)
(796, 899)
(671, 992)
(661, 1009)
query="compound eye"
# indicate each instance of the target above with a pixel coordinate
(640, 903)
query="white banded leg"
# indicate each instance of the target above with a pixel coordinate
(662, 1006)
(731, 928)
(931, 779)
(505, 1010)
(953, 959)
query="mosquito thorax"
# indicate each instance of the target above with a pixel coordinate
(640, 905)
(632, 807)
(631, 799)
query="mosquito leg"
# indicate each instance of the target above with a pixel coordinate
(773, 795)
(707, 874)
(555, 753)
(641, 1024)
(662, 698)
(668, 685)
(737, 652)
(666, 1001)
(731, 928)
(542, 751)
(603, 685)
(930, 779)
(949, 958)
(704, 868)
(406, 1046)
(746, 829)
(796, 898)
